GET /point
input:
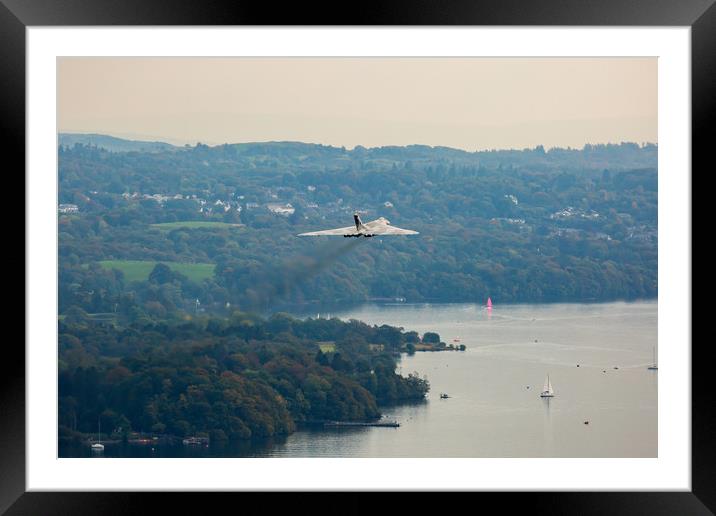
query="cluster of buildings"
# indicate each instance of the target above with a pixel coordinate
(642, 233)
(160, 198)
(570, 212)
(204, 205)
(274, 200)
(579, 233)
(508, 220)
(68, 208)
(281, 209)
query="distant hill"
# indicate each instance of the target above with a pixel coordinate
(520, 226)
(619, 156)
(299, 155)
(113, 144)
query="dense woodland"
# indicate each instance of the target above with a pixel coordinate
(519, 226)
(226, 378)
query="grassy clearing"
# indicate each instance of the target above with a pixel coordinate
(327, 347)
(194, 224)
(138, 270)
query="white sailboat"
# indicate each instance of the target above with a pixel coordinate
(653, 366)
(547, 391)
(98, 446)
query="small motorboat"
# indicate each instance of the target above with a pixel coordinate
(443, 396)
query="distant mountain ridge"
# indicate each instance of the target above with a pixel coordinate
(112, 143)
(624, 155)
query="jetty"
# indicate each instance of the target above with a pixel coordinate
(389, 424)
(196, 441)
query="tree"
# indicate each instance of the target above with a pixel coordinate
(322, 358)
(75, 315)
(161, 273)
(412, 337)
(431, 338)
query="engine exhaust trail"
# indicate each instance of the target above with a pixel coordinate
(297, 270)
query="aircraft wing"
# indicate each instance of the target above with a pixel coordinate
(350, 230)
(392, 230)
(380, 227)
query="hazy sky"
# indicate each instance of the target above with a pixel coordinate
(469, 103)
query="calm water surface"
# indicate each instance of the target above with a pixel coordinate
(494, 409)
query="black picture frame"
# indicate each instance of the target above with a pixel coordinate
(16, 15)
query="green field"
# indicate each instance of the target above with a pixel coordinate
(194, 224)
(138, 270)
(327, 346)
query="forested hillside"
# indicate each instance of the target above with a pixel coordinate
(529, 225)
(226, 378)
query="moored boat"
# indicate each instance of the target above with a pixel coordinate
(98, 447)
(547, 391)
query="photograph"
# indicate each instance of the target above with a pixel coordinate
(403, 248)
(357, 257)
(444, 249)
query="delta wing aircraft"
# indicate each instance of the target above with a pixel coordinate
(377, 227)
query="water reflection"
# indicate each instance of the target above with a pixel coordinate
(547, 428)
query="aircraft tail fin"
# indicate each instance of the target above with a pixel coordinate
(357, 220)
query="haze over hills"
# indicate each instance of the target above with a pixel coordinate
(467, 103)
(112, 143)
(630, 155)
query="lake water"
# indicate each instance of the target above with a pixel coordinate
(494, 409)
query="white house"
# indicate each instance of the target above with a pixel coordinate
(281, 209)
(68, 208)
